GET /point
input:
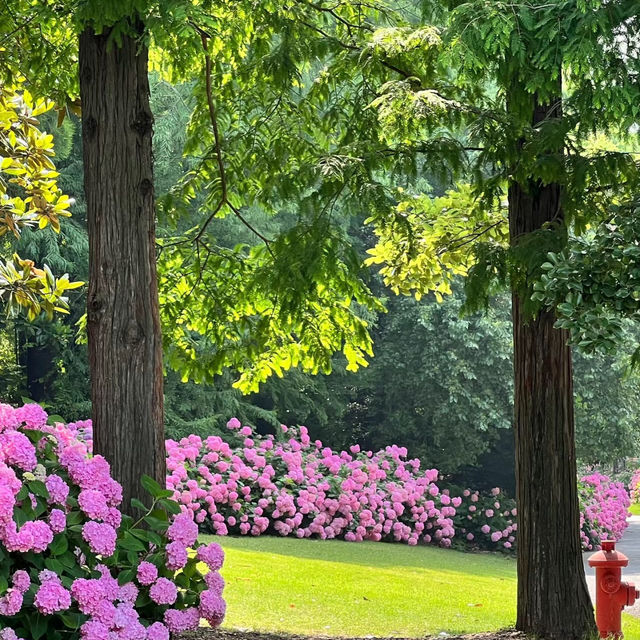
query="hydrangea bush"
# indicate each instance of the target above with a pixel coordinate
(487, 520)
(72, 565)
(250, 484)
(604, 508)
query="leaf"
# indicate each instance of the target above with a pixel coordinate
(151, 486)
(130, 542)
(138, 504)
(59, 545)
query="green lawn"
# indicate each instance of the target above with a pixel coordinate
(367, 589)
(634, 509)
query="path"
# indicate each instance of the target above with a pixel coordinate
(630, 546)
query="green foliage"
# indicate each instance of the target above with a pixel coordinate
(595, 282)
(440, 384)
(29, 197)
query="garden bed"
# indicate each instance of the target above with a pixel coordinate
(224, 634)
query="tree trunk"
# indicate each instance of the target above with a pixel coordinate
(125, 351)
(553, 600)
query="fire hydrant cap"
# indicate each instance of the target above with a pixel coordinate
(608, 557)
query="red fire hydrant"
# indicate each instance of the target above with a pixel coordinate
(612, 595)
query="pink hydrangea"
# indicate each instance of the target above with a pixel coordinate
(179, 620)
(128, 593)
(157, 631)
(88, 594)
(183, 529)
(11, 603)
(17, 450)
(93, 503)
(212, 608)
(32, 415)
(34, 535)
(163, 591)
(52, 597)
(101, 537)
(176, 556)
(147, 573)
(57, 521)
(21, 581)
(8, 417)
(212, 555)
(93, 630)
(58, 489)
(215, 582)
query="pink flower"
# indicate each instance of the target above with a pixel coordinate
(58, 489)
(88, 594)
(212, 555)
(176, 556)
(183, 529)
(101, 538)
(57, 521)
(215, 582)
(52, 597)
(93, 503)
(147, 573)
(212, 608)
(92, 630)
(32, 415)
(11, 603)
(21, 581)
(128, 593)
(157, 631)
(163, 591)
(178, 620)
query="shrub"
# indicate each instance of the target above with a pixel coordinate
(604, 508)
(71, 564)
(249, 484)
(487, 520)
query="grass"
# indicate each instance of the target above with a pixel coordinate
(368, 589)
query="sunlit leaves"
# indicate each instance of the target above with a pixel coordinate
(427, 242)
(262, 312)
(29, 198)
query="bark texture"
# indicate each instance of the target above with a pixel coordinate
(553, 600)
(125, 351)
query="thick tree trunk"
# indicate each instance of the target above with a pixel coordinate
(553, 600)
(125, 352)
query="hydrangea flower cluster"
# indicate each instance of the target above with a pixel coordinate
(250, 484)
(71, 564)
